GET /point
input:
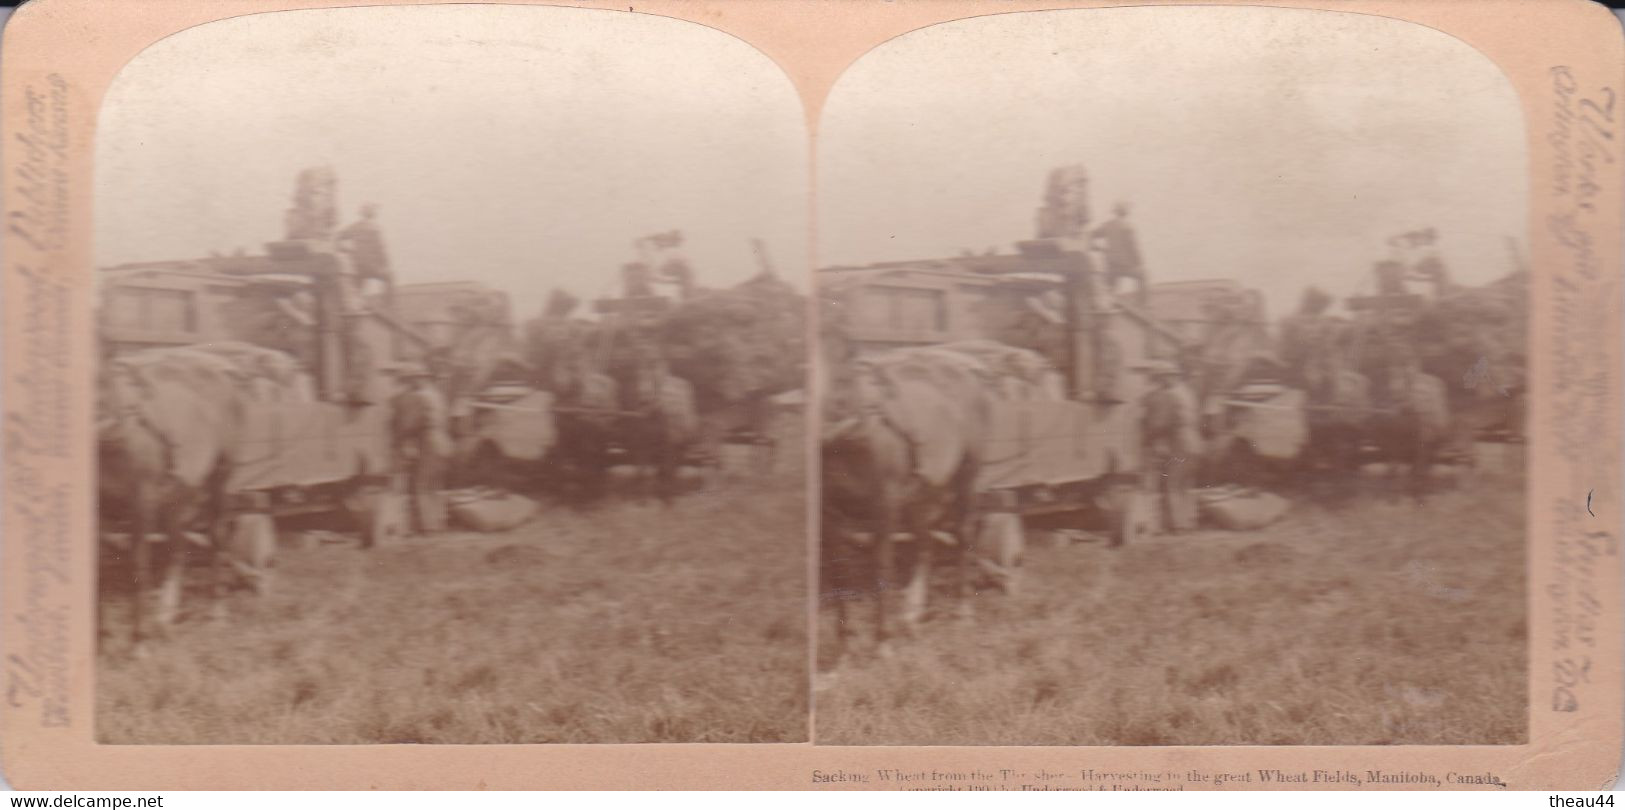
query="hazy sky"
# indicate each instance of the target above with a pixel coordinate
(1280, 147)
(519, 146)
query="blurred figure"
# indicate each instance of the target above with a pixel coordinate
(1115, 239)
(363, 243)
(1172, 445)
(637, 280)
(1307, 335)
(418, 424)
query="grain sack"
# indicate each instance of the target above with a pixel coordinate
(250, 548)
(1000, 549)
(1273, 428)
(490, 511)
(1237, 509)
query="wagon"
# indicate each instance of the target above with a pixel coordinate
(1075, 452)
(1050, 457)
(320, 447)
(507, 431)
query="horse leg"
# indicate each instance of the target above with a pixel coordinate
(1421, 470)
(663, 467)
(1309, 459)
(709, 454)
(595, 481)
(1348, 448)
(1334, 459)
(770, 454)
(642, 459)
(141, 559)
(968, 525)
(1168, 511)
(838, 569)
(655, 467)
(170, 590)
(1467, 441)
(918, 591)
(646, 474)
(1393, 456)
(885, 568)
(220, 551)
(667, 473)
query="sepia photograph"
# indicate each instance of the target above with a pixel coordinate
(811, 395)
(1172, 395)
(450, 383)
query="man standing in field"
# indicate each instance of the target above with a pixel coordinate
(1172, 444)
(418, 424)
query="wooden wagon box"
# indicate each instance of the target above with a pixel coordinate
(1056, 455)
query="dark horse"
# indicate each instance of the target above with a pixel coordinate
(1412, 424)
(905, 461)
(168, 425)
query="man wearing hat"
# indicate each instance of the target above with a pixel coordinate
(1116, 241)
(418, 424)
(1172, 445)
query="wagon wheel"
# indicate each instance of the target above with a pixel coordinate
(386, 521)
(1002, 545)
(487, 465)
(251, 550)
(379, 513)
(1123, 514)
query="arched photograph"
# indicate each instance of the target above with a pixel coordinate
(1172, 395)
(450, 385)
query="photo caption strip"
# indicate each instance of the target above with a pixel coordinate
(39, 404)
(1584, 136)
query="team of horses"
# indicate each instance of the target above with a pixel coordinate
(617, 401)
(169, 425)
(170, 428)
(902, 446)
(1381, 407)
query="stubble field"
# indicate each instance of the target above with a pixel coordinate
(626, 623)
(1371, 622)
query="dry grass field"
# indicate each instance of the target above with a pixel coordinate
(628, 623)
(1373, 622)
